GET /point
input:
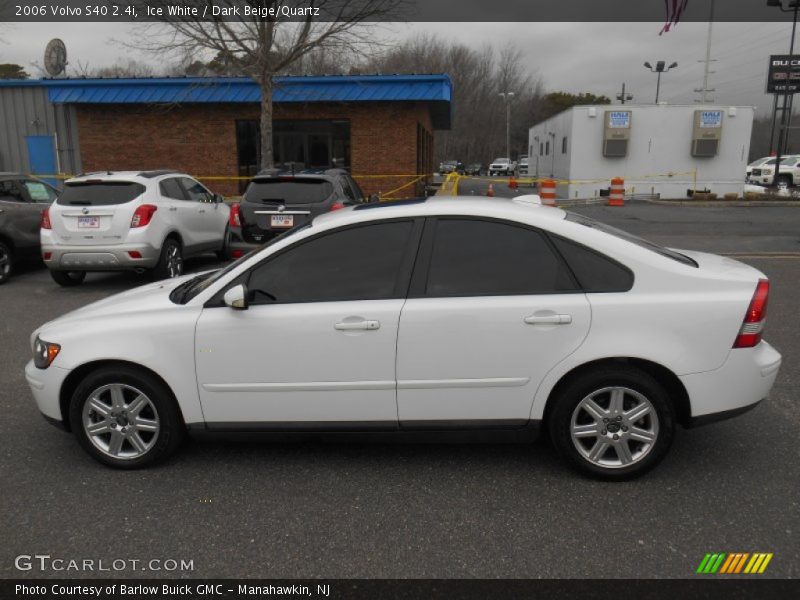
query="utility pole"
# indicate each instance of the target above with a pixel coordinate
(706, 72)
(794, 5)
(622, 97)
(507, 96)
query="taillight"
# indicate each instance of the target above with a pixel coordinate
(337, 206)
(753, 324)
(235, 217)
(45, 222)
(143, 215)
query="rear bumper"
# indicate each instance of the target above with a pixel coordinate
(743, 381)
(100, 258)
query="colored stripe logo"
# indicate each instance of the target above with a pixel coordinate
(734, 563)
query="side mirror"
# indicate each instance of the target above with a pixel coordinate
(236, 297)
(373, 198)
(218, 199)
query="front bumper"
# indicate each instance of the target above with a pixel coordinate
(100, 258)
(45, 386)
(743, 381)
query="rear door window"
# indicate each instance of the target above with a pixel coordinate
(170, 188)
(472, 257)
(595, 272)
(10, 191)
(100, 193)
(288, 191)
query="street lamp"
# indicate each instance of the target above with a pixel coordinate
(553, 155)
(507, 96)
(792, 6)
(659, 68)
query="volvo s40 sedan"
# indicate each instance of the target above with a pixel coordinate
(459, 318)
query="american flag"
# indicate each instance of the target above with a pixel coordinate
(675, 9)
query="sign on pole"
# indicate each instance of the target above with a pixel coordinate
(783, 75)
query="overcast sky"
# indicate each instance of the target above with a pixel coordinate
(595, 57)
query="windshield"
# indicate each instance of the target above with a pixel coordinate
(501, 160)
(192, 287)
(759, 162)
(587, 222)
(100, 193)
(289, 190)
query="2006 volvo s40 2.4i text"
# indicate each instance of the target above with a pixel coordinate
(458, 318)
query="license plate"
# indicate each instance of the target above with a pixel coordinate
(88, 222)
(281, 221)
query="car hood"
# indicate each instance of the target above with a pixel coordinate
(146, 298)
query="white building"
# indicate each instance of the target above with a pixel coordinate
(659, 149)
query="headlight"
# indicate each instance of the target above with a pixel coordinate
(44, 353)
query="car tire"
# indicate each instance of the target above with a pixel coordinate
(612, 424)
(785, 179)
(224, 253)
(68, 278)
(6, 262)
(170, 262)
(125, 418)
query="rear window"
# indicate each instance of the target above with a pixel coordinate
(629, 237)
(91, 193)
(296, 190)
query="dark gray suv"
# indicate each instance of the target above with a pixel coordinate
(22, 200)
(276, 201)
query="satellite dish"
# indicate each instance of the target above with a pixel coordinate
(55, 57)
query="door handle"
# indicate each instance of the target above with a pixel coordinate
(356, 325)
(173, 208)
(202, 210)
(549, 320)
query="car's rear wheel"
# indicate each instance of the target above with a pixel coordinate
(224, 253)
(613, 423)
(170, 264)
(68, 278)
(785, 180)
(6, 262)
(125, 418)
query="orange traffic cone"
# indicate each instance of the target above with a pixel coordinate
(490, 191)
(512, 184)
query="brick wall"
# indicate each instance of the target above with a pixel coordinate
(200, 139)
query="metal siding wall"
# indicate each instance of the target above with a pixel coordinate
(27, 111)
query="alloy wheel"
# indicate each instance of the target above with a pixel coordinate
(174, 261)
(121, 421)
(5, 263)
(614, 427)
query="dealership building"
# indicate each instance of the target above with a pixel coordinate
(660, 150)
(379, 127)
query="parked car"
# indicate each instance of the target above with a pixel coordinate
(451, 166)
(522, 167)
(475, 169)
(128, 220)
(761, 162)
(388, 318)
(22, 200)
(276, 201)
(502, 166)
(764, 174)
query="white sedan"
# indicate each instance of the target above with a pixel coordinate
(455, 318)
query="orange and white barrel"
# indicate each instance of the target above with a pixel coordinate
(616, 196)
(548, 192)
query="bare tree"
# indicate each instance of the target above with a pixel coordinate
(263, 45)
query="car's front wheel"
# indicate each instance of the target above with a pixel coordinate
(125, 418)
(6, 263)
(68, 278)
(613, 423)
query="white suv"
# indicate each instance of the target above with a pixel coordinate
(502, 165)
(131, 221)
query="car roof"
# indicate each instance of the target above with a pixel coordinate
(521, 208)
(142, 177)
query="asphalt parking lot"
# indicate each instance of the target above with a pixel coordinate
(328, 510)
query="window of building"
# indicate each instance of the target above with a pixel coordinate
(564, 145)
(547, 148)
(509, 260)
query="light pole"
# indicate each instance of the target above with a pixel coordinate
(661, 67)
(553, 155)
(793, 6)
(507, 96)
